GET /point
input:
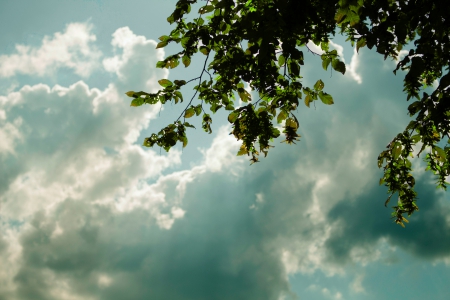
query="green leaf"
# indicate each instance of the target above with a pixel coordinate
(340, 16)
(232, 117)
(326, 98)
(416, 138)
(319, 85)
(184, 41)
(440, 153)
(186, 61)
(275, 132)
(308, 100)
(164, 38)
(290, 122)
(243, 150)
(244, 95)
(179, 82)
(281, 60)
(294, 68)
(325, 63)
(161, 44)
(396, 150)
(353, 18)
(206, 123)
(188, 125)
(173, 63)
(206, 9)
(161, 64)
(338, 65)
(414, 107)
(165, 82)
(281, 116)
(178, 96)
(205, 50)
(137, 102)
(200, 21)
(189, 112)
(324, 46)
(130, 93)
(185, 141)
(360, 43)
(198, 109)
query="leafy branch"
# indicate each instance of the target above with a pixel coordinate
(274, 32)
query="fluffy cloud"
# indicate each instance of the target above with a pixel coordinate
(350, 68)
(72, 49)
(128, 65)
(74, 145)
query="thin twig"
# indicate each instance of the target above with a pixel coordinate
(196, 91)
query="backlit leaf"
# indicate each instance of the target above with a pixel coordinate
(361, 43)
(281, 60)
(205, 50)
(281, 116)
(129, 94)
(242, 151)
(161, 44)
(137, 102)
(308, 100)
(325, 63)
(165, 82)
(189, 112)
(232, 117)
(319, 85)
(186, 61)
(326, 98)
(396, 150)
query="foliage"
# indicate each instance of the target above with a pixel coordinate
(259, 42)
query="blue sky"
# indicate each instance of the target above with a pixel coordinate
(87, 213)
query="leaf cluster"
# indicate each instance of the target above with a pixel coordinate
(256, 45)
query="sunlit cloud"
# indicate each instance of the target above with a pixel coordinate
(71, 49)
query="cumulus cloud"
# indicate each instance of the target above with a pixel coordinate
(73, 145)
(127, 64)
(72, 49)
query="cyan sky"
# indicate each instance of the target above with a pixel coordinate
(87, 213)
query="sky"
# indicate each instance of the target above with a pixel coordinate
(86, 212)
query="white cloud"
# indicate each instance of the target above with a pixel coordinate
(354, 62)
(222, 153)
(129, 66)
(356, 285)
(71, 49)
(9, 134)
(314, 48)
(60, 135)
(401, 55)
(350, 68)
(327, 293)
(259, 201)
(339, 49)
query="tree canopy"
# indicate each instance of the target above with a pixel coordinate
(260, 42)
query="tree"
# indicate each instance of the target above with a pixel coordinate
(259, 42)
